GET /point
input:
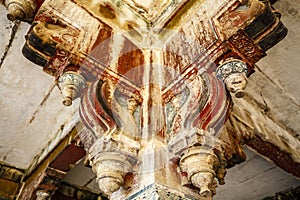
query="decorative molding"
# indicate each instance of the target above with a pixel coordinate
(246, 47)
(21, 9)
(10, 182)
(11, 173)
(71, 85)
(200, 164)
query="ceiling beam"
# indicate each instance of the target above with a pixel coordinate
(49, 173)
(292, 193)
(265, 135)
(280, 158)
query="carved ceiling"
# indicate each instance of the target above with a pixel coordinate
(163, 108)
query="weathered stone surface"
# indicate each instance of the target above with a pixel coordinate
(26, 95)
(7, 31)
(20, 96)
(276, 81)
(254, 179)
(250, 120)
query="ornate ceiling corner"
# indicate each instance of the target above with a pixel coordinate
(157, 80)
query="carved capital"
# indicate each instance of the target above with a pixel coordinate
(200, 163)
(110, 168)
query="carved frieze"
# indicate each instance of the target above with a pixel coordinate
(10, 181)
(10, 173)
(245, 46)
(237, 15)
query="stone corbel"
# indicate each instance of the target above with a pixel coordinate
(110, 168)
(233, 73)
(199, 163)
(71, 84)
(112, 157)
(204, 162)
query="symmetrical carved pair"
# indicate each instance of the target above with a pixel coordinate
(155, 86)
